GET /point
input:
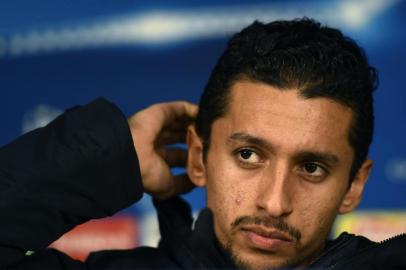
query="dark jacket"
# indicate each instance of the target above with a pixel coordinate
(82, 166)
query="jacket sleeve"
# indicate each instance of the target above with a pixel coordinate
(81, 166)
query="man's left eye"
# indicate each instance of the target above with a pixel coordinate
(313, 169)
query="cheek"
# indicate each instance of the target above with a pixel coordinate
(316, 214)
(223, 189)
(227, 192)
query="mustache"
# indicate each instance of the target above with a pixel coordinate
(271, 223)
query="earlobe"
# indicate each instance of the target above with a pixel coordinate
(195, 163)
(354, 194)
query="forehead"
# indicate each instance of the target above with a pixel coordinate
(283, 116)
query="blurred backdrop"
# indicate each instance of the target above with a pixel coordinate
(58, 53)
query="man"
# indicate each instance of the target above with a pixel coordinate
(280, 142)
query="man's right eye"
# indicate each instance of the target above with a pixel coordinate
(248, 156)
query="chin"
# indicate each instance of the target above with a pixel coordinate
(260, 262)
(257, 256)
(251, 259)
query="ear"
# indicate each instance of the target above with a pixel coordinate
(354, 194)
(195, 164)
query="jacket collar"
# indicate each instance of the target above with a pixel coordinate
(194, 245)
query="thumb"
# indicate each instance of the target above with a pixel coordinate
(180, 184)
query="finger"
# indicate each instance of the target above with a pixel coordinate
(179, 124)
(172, 111)
(184, 108)
(183, 184)
(169, 137)
(154, 119)
(180, 184)
(175, 156)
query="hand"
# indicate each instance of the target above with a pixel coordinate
(154, 128)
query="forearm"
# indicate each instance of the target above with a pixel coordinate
(81, 166)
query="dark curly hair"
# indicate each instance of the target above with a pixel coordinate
(317, 60)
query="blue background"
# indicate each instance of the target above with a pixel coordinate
(134, 73)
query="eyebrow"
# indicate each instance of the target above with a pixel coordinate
(326, 157)
(317, 156)
(247, 138)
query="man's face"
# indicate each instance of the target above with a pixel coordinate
(277, 174)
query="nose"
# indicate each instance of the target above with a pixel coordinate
(275, 192)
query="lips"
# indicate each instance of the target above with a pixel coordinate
(265, 239)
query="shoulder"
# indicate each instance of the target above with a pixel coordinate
(388, 254)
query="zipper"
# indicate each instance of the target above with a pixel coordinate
(392, 238)
(377, 244)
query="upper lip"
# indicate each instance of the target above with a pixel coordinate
(268, 233)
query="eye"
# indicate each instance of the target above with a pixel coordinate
(248, 156)
(313, 170)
